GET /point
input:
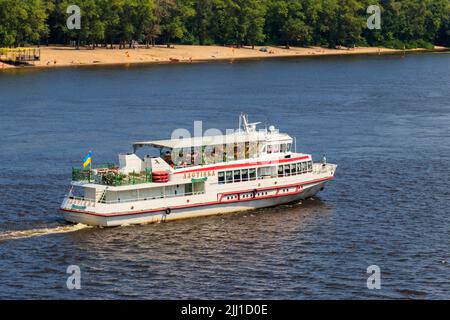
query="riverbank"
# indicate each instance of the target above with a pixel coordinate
(55, 56)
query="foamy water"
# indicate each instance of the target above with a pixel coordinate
(21, 234)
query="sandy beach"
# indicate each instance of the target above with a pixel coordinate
(55, 56)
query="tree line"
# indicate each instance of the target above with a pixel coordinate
(404, 23)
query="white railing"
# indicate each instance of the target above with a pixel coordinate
(173, 195)
(319, 168)
(71, 197)
(82, 200)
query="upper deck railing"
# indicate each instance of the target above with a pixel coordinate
(319, 168)
(109, 175)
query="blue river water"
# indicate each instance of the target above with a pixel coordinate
(384, 120)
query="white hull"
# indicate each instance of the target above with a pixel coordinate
(185, 213)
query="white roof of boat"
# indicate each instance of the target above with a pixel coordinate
(237, 137)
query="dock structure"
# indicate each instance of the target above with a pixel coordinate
(19, 55)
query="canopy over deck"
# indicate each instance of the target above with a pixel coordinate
(237, 137)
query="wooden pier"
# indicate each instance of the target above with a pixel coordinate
(19, 56)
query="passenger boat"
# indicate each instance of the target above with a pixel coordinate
(196, 176)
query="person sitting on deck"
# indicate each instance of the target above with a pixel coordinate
(196, 160)
(181, 160)
(168, 159)
(209, 155)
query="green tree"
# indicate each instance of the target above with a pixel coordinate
(239, 21)
(134, 17)
(405, 23)
(201, 20)
(412, 23)
(22, 22)
(351, 21)
(254, 13)
(224, 24)
(56, 21)
(437, 15)
(92, 29)
(287, 22)
(112, 12)
(341, 22)
(443, 36)
(172, 16)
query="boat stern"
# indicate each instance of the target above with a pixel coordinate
(78, 210)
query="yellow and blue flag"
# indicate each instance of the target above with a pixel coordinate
(87, 159)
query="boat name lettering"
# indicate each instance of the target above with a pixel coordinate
(74, 206)
(199, 174)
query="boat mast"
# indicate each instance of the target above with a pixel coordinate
(248, 127)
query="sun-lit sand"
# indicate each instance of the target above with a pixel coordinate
(67, 56)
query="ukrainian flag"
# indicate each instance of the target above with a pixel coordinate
(87, 159)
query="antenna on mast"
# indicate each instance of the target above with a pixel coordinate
(240, 116)
(248, 127)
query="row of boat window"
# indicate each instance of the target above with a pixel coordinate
(294, 168)
(237, 175)
(243, 175)
(247, 196)
(275, 148)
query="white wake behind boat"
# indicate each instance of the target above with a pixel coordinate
(193, 177)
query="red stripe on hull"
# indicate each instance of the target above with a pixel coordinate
(266, 188)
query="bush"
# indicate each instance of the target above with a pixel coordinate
(394, 44)
(398, 44)
(424, 44)
(189, 40)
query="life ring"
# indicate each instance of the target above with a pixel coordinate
(160, 176)
(160, 173)
(168, 211)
